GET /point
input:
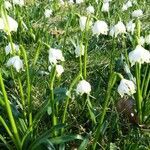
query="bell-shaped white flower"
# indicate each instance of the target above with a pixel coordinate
(100, 27)
(139, 55)
(12, 24)
(18, 2)
(79, 1)
(130, 26)
(59, 70)
(48, 13)
(147, 39)
(83, 87)
(16, 62)
(55, 55)
(141, 40)
(82, 22)
(126, 87)
(105, 7)
(126, 5)
(8, 48)
(119, 28)
(7, 5)
(137, 13)
(79, 50)
(90, 10)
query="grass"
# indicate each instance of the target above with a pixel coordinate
(45, 99)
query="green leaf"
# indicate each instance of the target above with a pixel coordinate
(5, 142)
(66, 138)
(84, 144)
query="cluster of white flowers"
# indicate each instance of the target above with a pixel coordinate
(48, 13)
(119, 28)
(137, 13)
(100, 27)
(56, 55)
(8, 48)
(139, 55)
(126, 87)
(12, 24)
(16, 62)
(83, 87)
(127, 5)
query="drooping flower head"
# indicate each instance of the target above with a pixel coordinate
(8, 48)
(16, 62)
(12, 24)
(126, 87)
(82, 22)
(100, 27)
(137, 13)
(90, 10)
(79, 50)
(48, 13)
(59, 70)
(83, 87)
(139, 55)
(130, 26)
(55, 55)
(105, 7)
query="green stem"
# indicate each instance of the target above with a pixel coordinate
(52, 79)
(139, 96)
(28, 86)
(111, 83)
(22, 97)
(9, 112)
(144, 79)
(146, 84)
(7, 129)
(67, 99)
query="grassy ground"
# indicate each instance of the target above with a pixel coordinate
(59, 31)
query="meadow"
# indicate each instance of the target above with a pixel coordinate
(74, 75)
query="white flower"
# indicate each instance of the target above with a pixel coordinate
(126, 6)
(79, 1)
(100, 27)
(147, 39)
(106, 1)
(137, 13)
(82, 22)
(139, 55)
(16, 62)
(90, 10)
(79, 50)
(130, 26)
(61, 2)
(59, 70)
(18, 2)
(119, 28)
(48, 13)
(7, 5)
(126, 87)
(55, 55)
(8, 48)
(71, 2)
(105, 7)
(12, 24)
(83, 87)
(141, 41)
